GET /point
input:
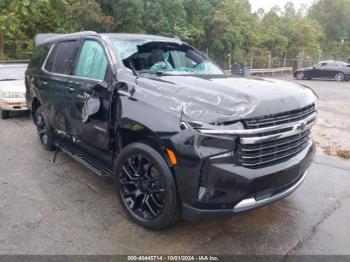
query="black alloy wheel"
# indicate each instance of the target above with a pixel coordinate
(142, 188)
(145, 187)
(44, 130)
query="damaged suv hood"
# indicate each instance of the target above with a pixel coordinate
(220, 99)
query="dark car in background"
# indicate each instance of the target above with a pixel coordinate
(178, 135)
(336, 70)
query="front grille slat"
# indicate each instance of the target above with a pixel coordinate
(263, 154)
(278, 143)
(275, 160)
(280, 119)
(276, 150)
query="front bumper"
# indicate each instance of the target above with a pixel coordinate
(195, 214)
(13, 104)
(231, 189)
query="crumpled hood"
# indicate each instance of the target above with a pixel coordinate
(12, 86)
(222, 99)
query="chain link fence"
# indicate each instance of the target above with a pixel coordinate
(279, 62)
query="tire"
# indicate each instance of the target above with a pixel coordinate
(300, 76)
(44, 130)
(146, 188)
(339, 77)
(5, 114)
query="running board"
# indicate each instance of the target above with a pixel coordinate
(95, 165)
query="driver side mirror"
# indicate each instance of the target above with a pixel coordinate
(100, 86)
(91, 107)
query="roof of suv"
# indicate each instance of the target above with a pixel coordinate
(49, 37)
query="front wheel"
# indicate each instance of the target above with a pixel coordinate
(339, 77)
(146, 187)
(300, 76)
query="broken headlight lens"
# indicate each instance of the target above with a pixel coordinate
(220, 128)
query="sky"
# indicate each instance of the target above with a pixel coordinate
(268, 4)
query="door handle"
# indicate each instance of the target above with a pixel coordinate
(70, 89)
(72, 83)
(44, 83)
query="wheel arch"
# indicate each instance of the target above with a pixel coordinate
(138, 133)
(35, 104)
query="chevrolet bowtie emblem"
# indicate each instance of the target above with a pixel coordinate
(301, 126)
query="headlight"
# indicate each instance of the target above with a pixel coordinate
(229, 129)
(13, 95)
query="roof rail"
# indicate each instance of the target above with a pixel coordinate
(42, 38)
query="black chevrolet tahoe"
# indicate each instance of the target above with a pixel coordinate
(179, 136)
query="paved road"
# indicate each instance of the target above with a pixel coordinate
(62, 208)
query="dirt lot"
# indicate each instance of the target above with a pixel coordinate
(332, 131)
(63, 208)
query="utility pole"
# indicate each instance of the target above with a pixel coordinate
(269, 64)
(229, 60)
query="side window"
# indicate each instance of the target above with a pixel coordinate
(51, 59)
(64, 55)
(92, 62)
(331, 65)
(321, 65)
(39, 56)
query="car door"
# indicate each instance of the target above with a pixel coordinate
(92, 69)
(58, 66)
(319, 70)
(331, 69)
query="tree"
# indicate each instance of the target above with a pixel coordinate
(334, 16)
(21, 20)
(227, 29)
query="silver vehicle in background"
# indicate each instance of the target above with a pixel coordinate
(12, 89)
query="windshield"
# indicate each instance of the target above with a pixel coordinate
(163, 57)
(12, 72)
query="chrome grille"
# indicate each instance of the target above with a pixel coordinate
(274, 139)
(272, 152)
(279, 119)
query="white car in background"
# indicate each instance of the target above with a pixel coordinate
(12, 89)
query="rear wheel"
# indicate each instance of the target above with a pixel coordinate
(339, 77)
(146, 188)
(5, 114)
(300, 76)
(44, 130)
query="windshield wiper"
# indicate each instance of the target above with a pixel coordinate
(157, 73)
(161, 73)
(9, 79)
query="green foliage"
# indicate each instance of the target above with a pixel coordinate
(227, 29)
(334, 16)
(21, 20)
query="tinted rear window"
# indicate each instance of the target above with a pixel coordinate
(62, 58)
(51, 59)
(39, 56)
